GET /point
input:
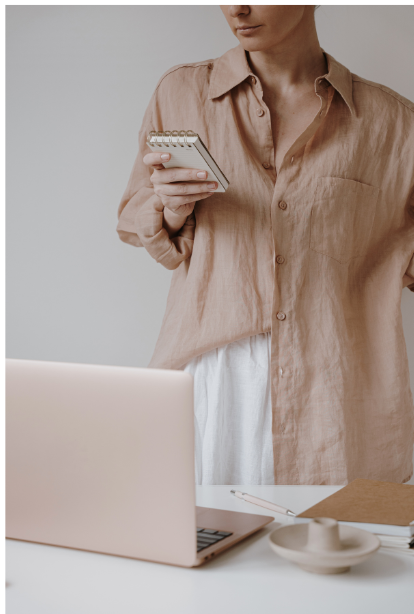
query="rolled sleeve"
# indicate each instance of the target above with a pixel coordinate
(169, 252)
(141, 212)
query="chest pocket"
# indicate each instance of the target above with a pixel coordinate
(342, 216)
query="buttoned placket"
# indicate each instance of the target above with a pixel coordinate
(282, 214)
(263, 124)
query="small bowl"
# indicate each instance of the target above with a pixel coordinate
(322, 546)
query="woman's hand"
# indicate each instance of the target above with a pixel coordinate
(176, 189)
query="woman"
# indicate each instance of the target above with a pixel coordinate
(285, 299)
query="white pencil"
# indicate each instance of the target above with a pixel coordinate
(262, 503)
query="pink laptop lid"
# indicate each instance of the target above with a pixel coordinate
(101, 458)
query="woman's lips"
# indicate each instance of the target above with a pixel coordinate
(247, 30)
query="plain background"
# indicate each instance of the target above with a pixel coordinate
(79, 79)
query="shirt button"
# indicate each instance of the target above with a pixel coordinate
(260, 112)
(280, 259)
(253, 79)
(266, 165)
(291, 160)
(282, 204)
(280, 315)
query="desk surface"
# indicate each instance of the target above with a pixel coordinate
(247, 578)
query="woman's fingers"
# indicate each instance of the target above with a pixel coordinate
(172, 175)
(182, 189)
(177, 187)
(154, 159)
(173, 202)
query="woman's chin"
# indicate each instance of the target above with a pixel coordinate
(254, 43)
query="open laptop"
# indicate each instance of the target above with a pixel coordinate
(101, 458)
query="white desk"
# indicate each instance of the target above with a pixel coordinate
(248, 578)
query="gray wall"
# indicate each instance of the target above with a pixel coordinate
(79, 79)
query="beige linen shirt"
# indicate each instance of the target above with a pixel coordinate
(318, 255)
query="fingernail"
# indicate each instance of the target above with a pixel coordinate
(211, 185)
(202, 174)
(165, 156)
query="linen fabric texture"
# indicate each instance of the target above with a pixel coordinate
(340, 214)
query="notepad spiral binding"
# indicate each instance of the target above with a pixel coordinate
(166, 138)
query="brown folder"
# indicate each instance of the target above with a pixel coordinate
(368, 501)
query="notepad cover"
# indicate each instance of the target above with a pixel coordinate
(368, 501)
(187, 150)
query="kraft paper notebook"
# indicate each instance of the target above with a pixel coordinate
(379, 507)
(187, 151)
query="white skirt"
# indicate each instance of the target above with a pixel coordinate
(233, 413)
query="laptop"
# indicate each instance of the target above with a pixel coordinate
(101, 458)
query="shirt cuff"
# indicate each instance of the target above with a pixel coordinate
(169, 252)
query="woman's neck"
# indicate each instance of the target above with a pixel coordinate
(294, 63)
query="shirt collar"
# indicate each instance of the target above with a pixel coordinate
(229, 70)
(340, 78)
(232, 68)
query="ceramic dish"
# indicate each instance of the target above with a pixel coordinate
(323, 546)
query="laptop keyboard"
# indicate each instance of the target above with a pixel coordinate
(208, 537)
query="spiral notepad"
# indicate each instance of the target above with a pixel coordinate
(187, 151)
